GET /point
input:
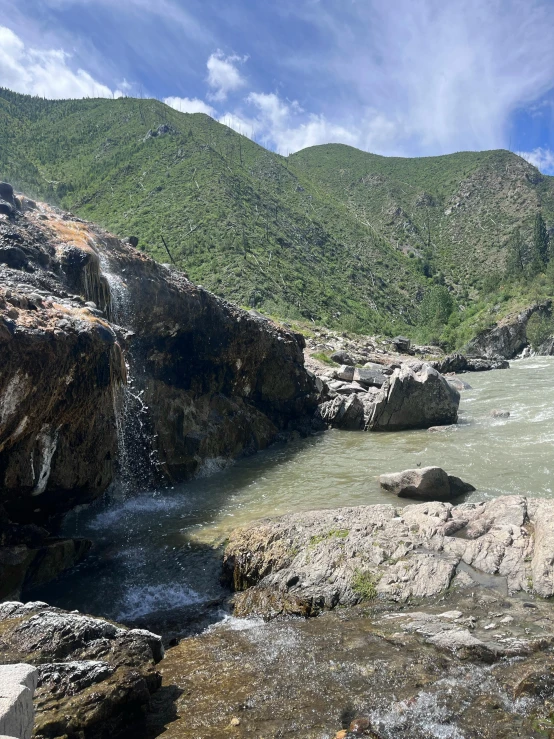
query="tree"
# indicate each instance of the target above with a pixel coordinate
(436, 307)
(540, 242)
(515, 257)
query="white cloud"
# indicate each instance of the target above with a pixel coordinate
(223, 75)
(44, 72)
(542, 159)
(190, 105)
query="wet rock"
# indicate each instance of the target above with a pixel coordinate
(458, 384)
(342, 357)
(94, 676)
(416, 396)
(425, 483)
(499, 414)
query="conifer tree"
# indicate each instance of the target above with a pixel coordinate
(540, 242)
(515, 258)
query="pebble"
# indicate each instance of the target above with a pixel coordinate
(507, 620)
(235, 721)
(360, 725)
(490, 626)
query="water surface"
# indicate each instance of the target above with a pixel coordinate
(154, 550)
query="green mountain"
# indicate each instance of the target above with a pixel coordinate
(330, 234)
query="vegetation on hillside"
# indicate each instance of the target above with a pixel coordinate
(436, 247)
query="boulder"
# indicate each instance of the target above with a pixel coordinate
(415, 396)
(6, 193)
(17, 686)
(94, 677)
(346, 373)
(342, 357)
(425, 483)
(345, 413)
(458, 384)
(369, 377)
(401, 344)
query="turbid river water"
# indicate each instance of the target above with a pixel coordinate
(153, 550)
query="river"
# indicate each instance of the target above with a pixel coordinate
(153, 551)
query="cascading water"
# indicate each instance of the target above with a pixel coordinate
(137, 458)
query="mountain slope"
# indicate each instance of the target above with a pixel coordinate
(236, 217)
(333, 234)
(455, 212)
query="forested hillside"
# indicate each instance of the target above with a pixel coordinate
(330, 234)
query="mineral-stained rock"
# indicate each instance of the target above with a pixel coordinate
(94, 676)
(211, 382)
(339, 557)
(424, 483)
(416, 396)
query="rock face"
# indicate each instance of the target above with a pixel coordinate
(94, 678)
(425, 483)
(17, 687)
(210, 382)
(461, 363)
(416, 396)
(305, 563)
(508, 338)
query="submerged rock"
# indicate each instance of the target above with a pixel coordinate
(95, 677)
(425, 483)
(416, 396)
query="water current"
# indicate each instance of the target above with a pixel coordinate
(153, 550)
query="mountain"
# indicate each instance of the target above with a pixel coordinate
(331, 234)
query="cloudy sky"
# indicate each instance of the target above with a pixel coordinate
(395, 77)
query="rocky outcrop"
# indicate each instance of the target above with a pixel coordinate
(424, 483)
(207, 382)
(17, 687)
(309, 562)
(415, 396)
(509, 337)
(94, 678)
(460, 363)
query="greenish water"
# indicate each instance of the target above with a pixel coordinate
(153, 551)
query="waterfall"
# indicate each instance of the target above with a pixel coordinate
(137, 460)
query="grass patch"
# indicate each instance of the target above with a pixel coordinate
(364, 584)
(325, 358)
(333, 533)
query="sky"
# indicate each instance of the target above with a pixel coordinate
(394, 77)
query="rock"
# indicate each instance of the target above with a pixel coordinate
(94, 677)
(17, 686)
(342, 358)
(6, 193)
(416, 396)
(6, 208)
(499, 414)
(441, 429)
(132, 241)
(509, 337)
(369, 377)
(346, 373)
(343, 413)
(321, 559)
(460, 363)
(425, 483)
(13, 256)
(402, 344)
(458, 384)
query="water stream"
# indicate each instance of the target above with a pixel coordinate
(153, 551)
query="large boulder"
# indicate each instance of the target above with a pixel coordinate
(94, 677)
(309, 562)
(424, 483)
(416, 396)
(17, 687)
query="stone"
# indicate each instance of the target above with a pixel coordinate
(342, 357)
(415, 396)
(6, 208)
(425, 483)
(305, 563)
(132, 241)
(345, 413)
(18, 683)
(92, 677)
(13, 256)
(346, 373)
(402, 344)
(6, 192)
(369, 377)
(458, 384)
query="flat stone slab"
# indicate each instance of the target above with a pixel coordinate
(17, 686)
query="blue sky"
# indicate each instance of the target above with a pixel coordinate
(395, 77)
